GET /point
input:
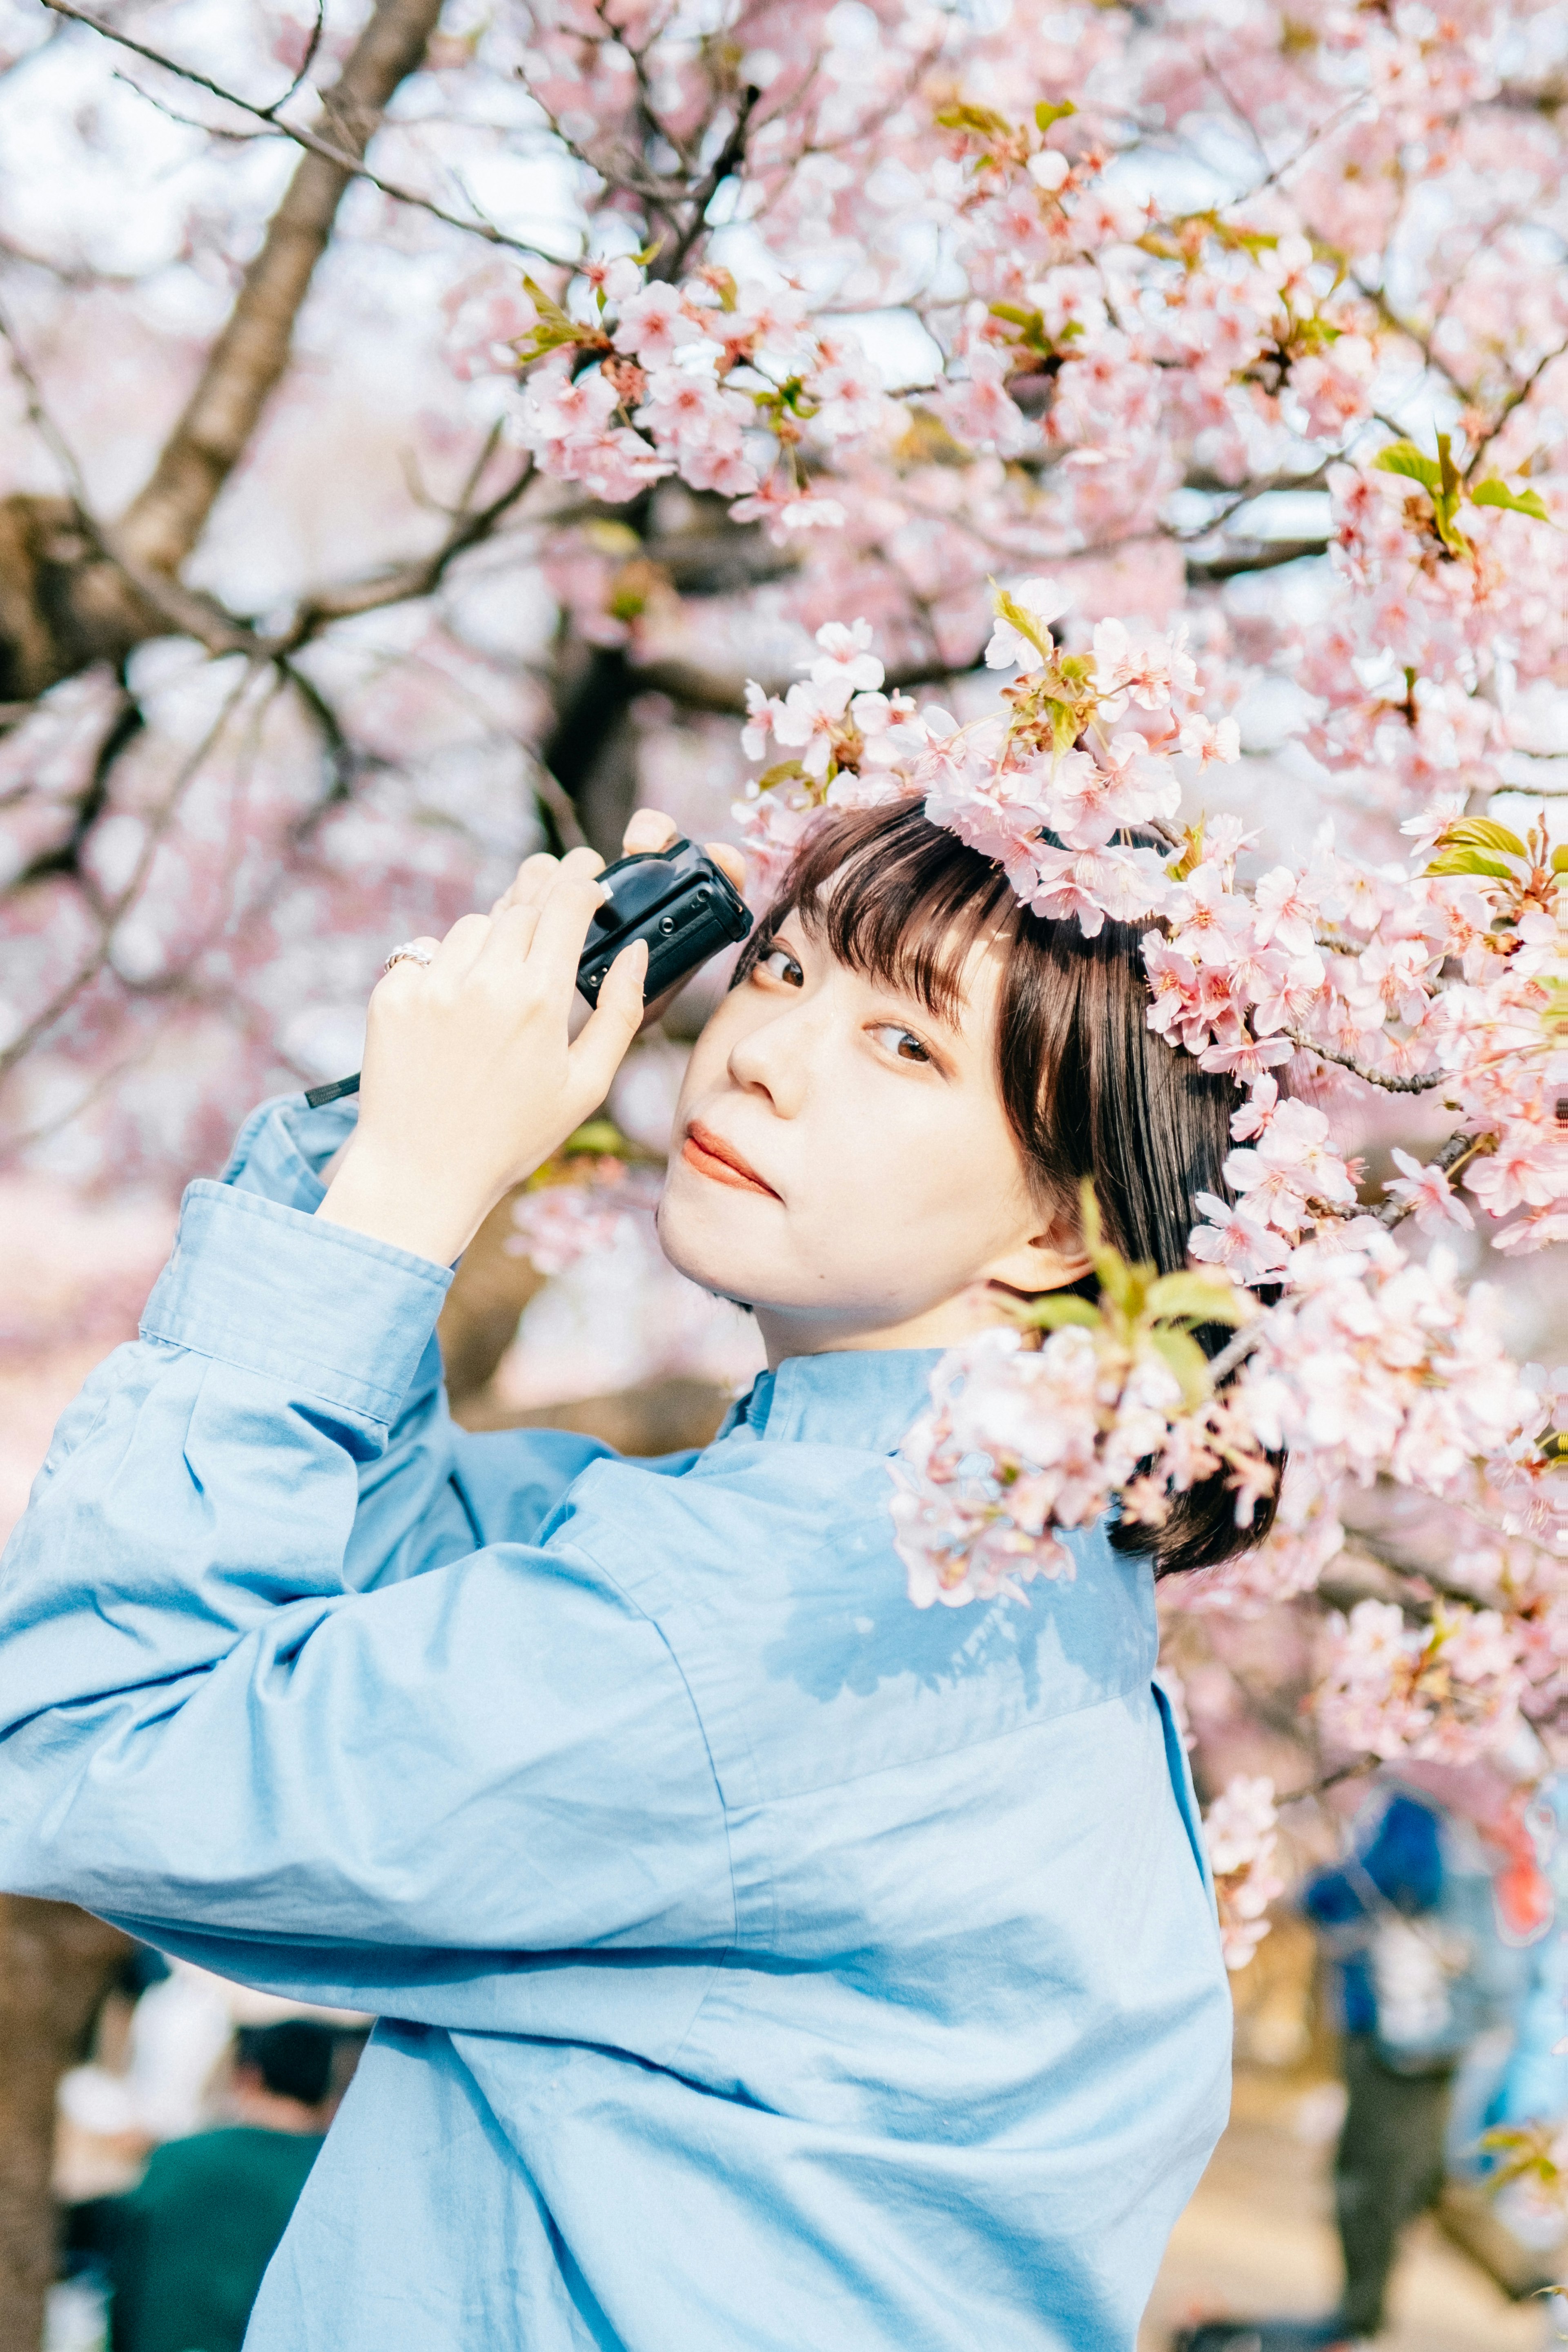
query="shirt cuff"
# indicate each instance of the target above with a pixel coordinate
(327, 1311)
(284, 1145)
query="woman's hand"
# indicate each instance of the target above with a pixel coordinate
(471, 1080)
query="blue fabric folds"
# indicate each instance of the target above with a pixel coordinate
(762, 1963)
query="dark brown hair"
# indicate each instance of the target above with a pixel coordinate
(1090, 1089)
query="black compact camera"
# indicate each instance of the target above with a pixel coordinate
(675, 899)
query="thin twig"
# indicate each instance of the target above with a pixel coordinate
(1414, 1086)
(1519, 393)
(329, 153)
(93, 963)
(1458, 1150)
(1320, 1787)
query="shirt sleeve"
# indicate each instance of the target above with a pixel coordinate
(432, 1492)
(208, 1728)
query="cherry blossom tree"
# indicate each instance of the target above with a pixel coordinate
(1141, 433)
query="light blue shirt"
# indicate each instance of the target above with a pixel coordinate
(763, 1963)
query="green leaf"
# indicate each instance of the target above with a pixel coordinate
(598, 1137)
(782, 773)
(1066, 723)
(1006, 608)
(554, 328)
(1046, 112)
(1030, 324)
(549, 311)
(1119, 1281)
(1469, 861)
(1197, 1296)
(1495, 493)
(1182, 1352)
(1559, 858)
(1482, 832)
(1404, 457)
(1051, 1313)
(1447, 470)
(983, 120)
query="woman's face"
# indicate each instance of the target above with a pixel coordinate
(843, 1163)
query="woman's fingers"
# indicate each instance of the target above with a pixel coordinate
(562, 933)
(601, 1044)
(536, 874)
(459, 951)
(648, 832)
(729, 861)
(525, 883)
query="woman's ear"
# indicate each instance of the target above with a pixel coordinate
(1048, 1261)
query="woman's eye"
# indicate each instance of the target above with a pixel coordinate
(779, 964)
(901, 1042)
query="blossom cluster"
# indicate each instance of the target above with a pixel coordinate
(1035, 1429)
(1241, 1831)
(1022, 1447)
(580, 1212)
(708, 380)
(1444, 1691)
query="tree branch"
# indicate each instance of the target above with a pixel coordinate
(164, 521)
(343, 157)
(1414, 1085)
(1253, 555)
(420, 577)
(90, 965)
(668, 263)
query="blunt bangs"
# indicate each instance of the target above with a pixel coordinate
(896, 899)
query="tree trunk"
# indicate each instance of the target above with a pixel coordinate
(55, 1964)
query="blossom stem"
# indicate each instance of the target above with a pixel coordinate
(1412, 1085)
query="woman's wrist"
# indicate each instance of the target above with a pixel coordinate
(393, 1205)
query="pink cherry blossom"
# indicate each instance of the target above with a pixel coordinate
(1428, 1195)
(1241, 1832)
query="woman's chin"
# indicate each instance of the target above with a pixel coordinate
(716, 1244)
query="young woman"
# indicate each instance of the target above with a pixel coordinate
(762, 1963)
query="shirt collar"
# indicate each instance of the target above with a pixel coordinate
(863, 1397)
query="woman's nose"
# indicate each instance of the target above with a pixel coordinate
(775, 1058)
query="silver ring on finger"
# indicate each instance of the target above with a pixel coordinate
(409, 952)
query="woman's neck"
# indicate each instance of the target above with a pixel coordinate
(790, 1331)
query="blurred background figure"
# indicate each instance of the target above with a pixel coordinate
(183, 2253)
(1400, 1922)
(183, 2138)
(1431, 1926)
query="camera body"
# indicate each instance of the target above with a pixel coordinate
(675, 899)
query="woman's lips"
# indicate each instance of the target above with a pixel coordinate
(711, 1155)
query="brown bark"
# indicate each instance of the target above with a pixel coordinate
(55, 1964)
(63, 605)
(166, 521)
